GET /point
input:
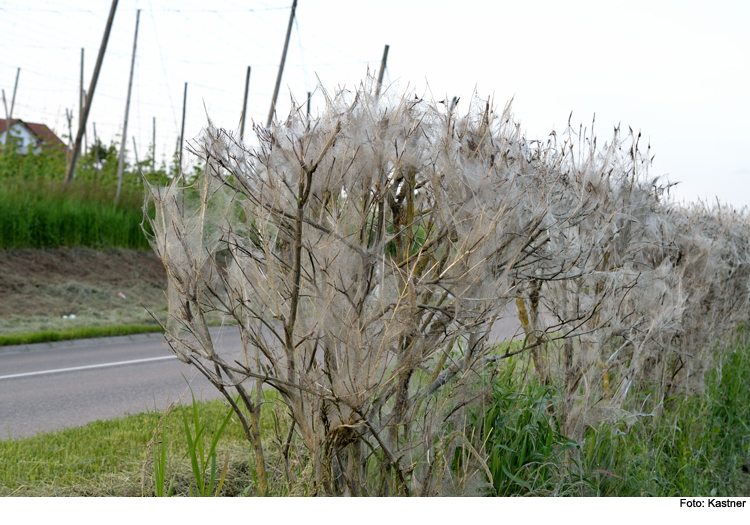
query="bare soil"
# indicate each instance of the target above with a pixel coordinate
(39, 287)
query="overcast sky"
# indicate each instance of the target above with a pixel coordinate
(679, 71)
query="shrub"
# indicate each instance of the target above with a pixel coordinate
(366, 254)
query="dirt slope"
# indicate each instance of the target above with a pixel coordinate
(38, 287)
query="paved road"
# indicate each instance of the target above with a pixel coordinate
(52, 386)
(70, 384)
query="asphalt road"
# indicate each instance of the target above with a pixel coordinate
(66, 384)
(70, 384)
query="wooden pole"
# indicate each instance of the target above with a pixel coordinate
(127, 109)
(96, 155)
(9, 114)
(69, 117)
(7, 119)
(281, 66)
(382, 71)
(244, 105)
(90, 94)
(81, 99)
(182, 134)
(85, 135)
(153, 148)
(15, 88)
(80, 94)
(135, 151)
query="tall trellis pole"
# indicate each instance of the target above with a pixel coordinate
(127, 110)
(90, 94)
(244, 105)
(281, 66)
(382, 70)
(182, 135)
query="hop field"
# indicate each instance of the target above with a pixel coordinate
(38, 211)
(44, 214)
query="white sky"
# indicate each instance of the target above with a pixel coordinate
(679, 71)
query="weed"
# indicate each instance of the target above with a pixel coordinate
(697, 447)
(524, 446)
(198, 458)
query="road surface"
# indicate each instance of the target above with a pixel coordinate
(66, 384)
(73, 383)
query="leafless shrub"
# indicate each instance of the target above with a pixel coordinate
(636, 289)
(365, 255)
(369, 252)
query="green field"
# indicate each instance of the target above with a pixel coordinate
(45, 214)
(37, 210)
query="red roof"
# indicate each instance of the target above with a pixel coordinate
(46, 135)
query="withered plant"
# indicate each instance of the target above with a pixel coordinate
(365, 255)
(631, 292)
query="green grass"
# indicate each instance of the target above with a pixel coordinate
(525, 448)
(101, 458)
(44, 336)
(697, 448)
(38, 211)
(44, 213)
(114, 457)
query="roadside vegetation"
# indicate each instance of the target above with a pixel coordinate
(84, 332)
(38, 211)
(366, 254)
(52, 291)
(42, 213)
(364, 257)
(700, 446)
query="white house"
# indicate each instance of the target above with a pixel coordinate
(31, 136)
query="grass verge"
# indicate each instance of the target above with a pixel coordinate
(116, 457)
(84, 332)
(102, 458)
(700, 446)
